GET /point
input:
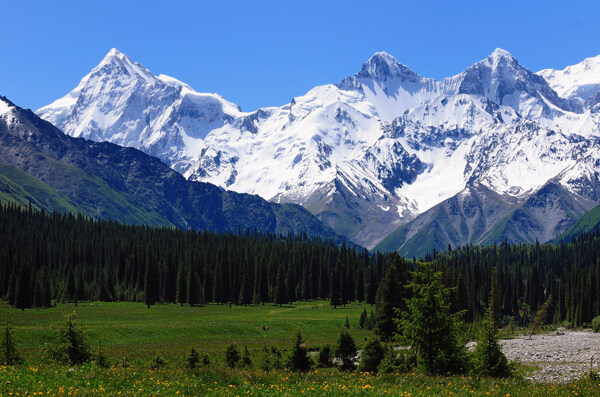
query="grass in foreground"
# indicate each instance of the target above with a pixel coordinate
(89, 380)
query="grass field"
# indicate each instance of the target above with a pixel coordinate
(129, 329)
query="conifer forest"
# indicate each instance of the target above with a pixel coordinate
(69, 258)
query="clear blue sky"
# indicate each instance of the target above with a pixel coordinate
(262, 53)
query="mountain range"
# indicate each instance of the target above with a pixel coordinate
(386, 157)
(42, 167)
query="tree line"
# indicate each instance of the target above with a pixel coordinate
(69, 258)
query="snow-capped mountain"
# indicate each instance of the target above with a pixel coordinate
(581, 81)
(120, 101)
(366, 155)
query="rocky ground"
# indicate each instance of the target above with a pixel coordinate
(560, 356)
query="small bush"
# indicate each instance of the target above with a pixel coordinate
(401, 361)
(73, 344)
(232, 356)
(246, 361)
(272, 359)
(596, 324)
(299, 361)
(101, 359)
(371, 357)
(9, 355)
(206, 360)
(192, 360)
(324, 360)
(346, 351)
(157, 363)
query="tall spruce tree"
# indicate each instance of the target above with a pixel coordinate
(151, 286)
(23, 292)
(299, 360)
(281, 294)
(488, 357)
(390, 296)
(429, 327)
(193, 289)
(181, 294)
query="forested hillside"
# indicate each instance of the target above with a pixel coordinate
(70, 258)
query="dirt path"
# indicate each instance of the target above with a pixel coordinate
(561, 357)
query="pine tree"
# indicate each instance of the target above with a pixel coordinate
(281, 295)
(246, 361)
(428, 326)
(47, 291)
(324, 357)
(346, 351)
(73, 344)
(232, 356)
(71, 288)
(192, 359)
(299, 360)
(540, 316)
(193, 289)
(9, 355)
(181, 294)
(335, 297)
(38, 296)
(494, 300)
(151, 293)
(390, 296)
(363, 319)
(23, 293)
(12, 287)
(488, 357)
(371, 356)
(370, 286)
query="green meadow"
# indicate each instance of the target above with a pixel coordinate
(129, 328)
(132, 336)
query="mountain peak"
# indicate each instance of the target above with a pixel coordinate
(5, 105)
(500, 53)
(382, 66)
(116, 61)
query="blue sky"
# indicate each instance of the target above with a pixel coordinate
(262, 53)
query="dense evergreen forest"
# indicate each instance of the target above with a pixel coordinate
(71, 258)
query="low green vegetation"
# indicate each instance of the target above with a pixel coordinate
(173, 380)
(170, 330)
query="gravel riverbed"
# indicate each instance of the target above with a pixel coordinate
(561, 356)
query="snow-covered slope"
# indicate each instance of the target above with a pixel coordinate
(122, 102)
(365, 155)
(581, 81)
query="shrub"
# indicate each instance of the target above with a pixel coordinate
(371, 357)
(206, 360)
(299, 360)
(9, 355)
(324, 359)
(157, 363)
(246, 361)
(73, 344)
(345, 351)
(192, 360)
(101, 359)
(488, 358)
(400, 361)
(272, 359)
(596, 324)
(232, 356)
